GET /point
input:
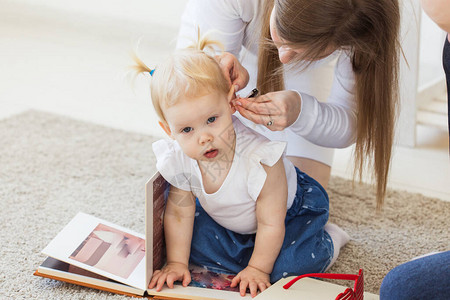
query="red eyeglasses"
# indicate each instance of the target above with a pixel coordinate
(357, 293)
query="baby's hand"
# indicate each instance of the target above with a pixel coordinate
(170, 273)
(252, 278)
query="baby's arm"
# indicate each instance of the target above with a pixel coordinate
(178, 225)
(270, 214)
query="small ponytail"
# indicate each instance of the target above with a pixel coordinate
(187, 73)
(140, 67)
(205, 43)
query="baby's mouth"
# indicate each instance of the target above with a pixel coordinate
(211, 153)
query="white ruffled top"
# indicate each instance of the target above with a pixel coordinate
(233, 205)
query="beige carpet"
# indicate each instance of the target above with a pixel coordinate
(52, 167)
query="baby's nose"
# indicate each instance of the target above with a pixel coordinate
(206, 138)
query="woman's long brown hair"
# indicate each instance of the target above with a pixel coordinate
(369, 29)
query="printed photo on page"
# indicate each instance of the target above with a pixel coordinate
(111, 250)
(103, 248)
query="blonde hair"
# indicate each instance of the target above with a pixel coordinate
(369, 29)
(187, 73)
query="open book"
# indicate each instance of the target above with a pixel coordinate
(98, 254)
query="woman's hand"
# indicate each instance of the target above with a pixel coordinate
(234, 72)
(276, 110)
(170, 273)
(252, 278)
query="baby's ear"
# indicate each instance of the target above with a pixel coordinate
(166, 128)
(230, 98)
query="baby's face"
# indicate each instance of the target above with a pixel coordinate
(203, 127)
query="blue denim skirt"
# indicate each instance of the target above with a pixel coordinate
(307, 247)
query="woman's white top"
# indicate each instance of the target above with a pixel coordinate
(233, 205)
(328, 113)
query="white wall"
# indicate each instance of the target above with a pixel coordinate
(430, 54)
(422, 43)
(409, 66)
(165, 13)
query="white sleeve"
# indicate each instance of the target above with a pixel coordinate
(267, 153)
(223, 18)
(331, 124)
(171, 163)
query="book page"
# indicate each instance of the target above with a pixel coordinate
(58, 270)
(101, 247)
(204, 284)
(307, 288)
(203, 278)
(54, 264)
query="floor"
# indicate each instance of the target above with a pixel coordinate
(75, 63)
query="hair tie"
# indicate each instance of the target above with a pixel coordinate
(151, 72)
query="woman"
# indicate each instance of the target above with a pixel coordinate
(358, 39)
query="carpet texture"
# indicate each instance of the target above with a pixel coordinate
(52, 167)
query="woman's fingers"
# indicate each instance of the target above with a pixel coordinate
(259, 105)
(276, 110)
(233, 71)
(226, 66)
(271, 122)
(240, 78)
(250, 115)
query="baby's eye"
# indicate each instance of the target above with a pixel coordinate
(211, 120)
(186, 129)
